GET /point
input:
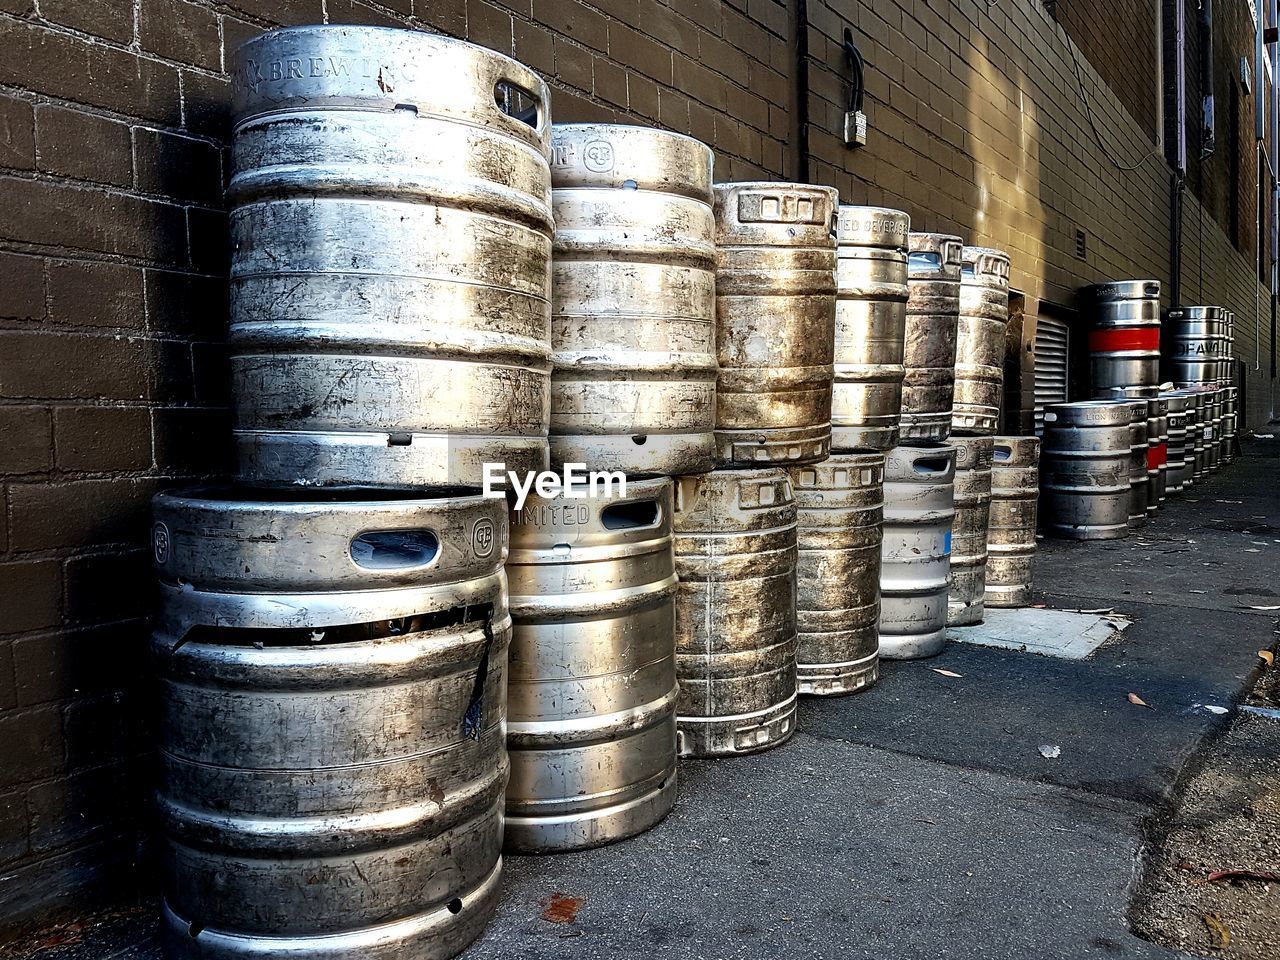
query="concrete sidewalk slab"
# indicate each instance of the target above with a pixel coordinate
(1051, 633)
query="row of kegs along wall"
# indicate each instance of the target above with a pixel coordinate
(375, 676)
(1160, 420)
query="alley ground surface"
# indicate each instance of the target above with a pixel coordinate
(922, 818)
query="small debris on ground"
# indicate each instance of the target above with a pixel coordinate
(1050, 751)
(561, 908)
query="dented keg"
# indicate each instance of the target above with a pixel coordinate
(929, 354)
(984, 315)
(1180, 464)
(1085, 485)
(871, 316)
(735, 611)
(1124, 343)
(591, 697)
(775, 321)
(915, 571)
(332, 756)
(633, 353)
(390, 274)
(969, 530)
(839, 513)
(1011, 535)
(1196, 337)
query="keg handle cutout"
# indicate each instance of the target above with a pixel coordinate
(518, 103)
(394, 549)
(1002, 453)
(928, 466)
(635, 515)
(924, 260)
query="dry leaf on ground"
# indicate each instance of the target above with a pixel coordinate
(947, 673)
(1137, 701)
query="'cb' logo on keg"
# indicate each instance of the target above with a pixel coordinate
(160, 543)
(482, 538)
(598, 156)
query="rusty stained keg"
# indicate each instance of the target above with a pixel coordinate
(839, 514)
(984, 315)
(915, 562)
(1181, 455)
(1124, 344)
(871, 316)
(390, 271)
(735, 611)
(775, 322)
(333, 683)
(929, 354)
(591, 702)
(1011, 534)
(969, 530)
(633, 353)
(1196, 338)
(1085, 469)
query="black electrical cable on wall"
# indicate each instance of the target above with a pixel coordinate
(857, 68)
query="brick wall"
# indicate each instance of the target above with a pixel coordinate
(113, 126)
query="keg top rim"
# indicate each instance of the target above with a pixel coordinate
(372, 29)
(973, 250)
(774, 185)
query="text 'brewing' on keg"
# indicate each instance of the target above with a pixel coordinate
(775, 322)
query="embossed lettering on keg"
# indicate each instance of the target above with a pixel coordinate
(332, 757)
(929, 354)
(839, 510)
(915, 571)
(591, 701)
(1124, 343)
(735, 611)
(984, 315)
(633, 300)
(390, 274)
(1011, 537)
(1085, 473)
(871, 316)
(969, 530)
(775, 322)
